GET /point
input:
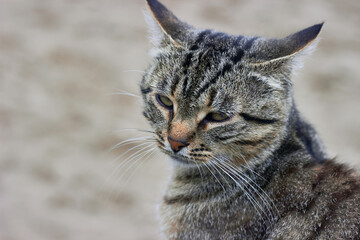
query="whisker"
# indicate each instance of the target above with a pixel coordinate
(247, 166)
(216, 169)
(251, 180)
(222, 186)
(134, 130)
(123, 94)
(243, 177)
(144, 158)
(138, 158)
(252, 200)
(129, 141)
(200, 171)
(129, 150)
(128, 159)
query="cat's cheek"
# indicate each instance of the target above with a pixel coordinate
(167, 115)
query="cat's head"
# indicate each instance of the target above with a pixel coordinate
(209, 95)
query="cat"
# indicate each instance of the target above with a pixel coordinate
(246, 165)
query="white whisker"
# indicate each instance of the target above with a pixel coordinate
(129, 141)
(246, 179)
(128, 159)
(123, 94)
(222, 186)
(252, 200)
(200, 171)
(252, 181)
(129, 150)
(213, 164)
(138, 157)
(144, 158)
(133, 130)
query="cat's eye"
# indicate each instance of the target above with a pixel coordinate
(217, 117)
(164, 101)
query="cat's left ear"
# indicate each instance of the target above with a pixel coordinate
(281, 50)
(165, 27)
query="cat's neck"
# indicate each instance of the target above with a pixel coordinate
(302, 135)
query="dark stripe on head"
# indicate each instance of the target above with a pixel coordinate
(187, 62)
(250, 118)
(174, 84)
(185, 83)
(146, 115)
(199, 39)
(203, 61)
(145, 90)
(212, 95)
(221, 72)
(163, 84)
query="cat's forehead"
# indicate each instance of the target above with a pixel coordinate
(210, 53)
(212, 60)
(220, 41)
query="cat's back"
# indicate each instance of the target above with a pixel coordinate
(317, 201)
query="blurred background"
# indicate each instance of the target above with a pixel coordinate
(61, 63)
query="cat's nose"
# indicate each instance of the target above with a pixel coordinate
(177, 144)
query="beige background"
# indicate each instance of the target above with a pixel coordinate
(61, 60)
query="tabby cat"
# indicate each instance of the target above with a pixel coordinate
(246, 165)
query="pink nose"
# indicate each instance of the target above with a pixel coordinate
(177, 144)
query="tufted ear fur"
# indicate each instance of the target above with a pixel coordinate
(278, 50)
(165, 27)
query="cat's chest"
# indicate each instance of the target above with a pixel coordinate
(210, 219)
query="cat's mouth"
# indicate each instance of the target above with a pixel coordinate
(183, 157)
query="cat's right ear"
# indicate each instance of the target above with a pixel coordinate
(165, 27)
(288, 49)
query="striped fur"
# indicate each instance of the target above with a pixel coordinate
(246, 165)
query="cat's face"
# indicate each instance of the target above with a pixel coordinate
(210, 96)
(205, 102)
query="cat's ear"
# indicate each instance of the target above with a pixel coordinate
(278, 50)
(165, 27)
